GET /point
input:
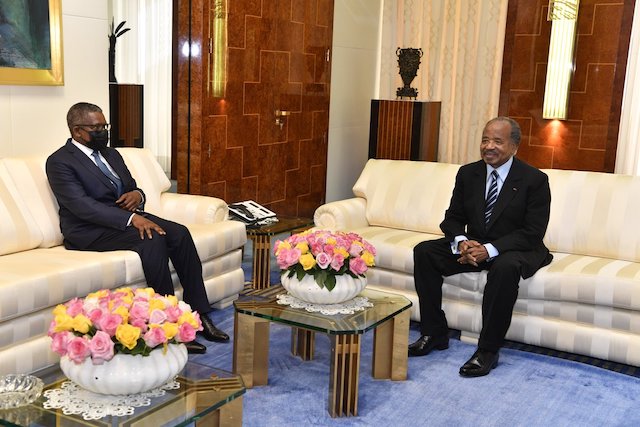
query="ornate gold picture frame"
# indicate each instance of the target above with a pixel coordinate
(31, 43)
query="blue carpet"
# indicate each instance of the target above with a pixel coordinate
(525, 389)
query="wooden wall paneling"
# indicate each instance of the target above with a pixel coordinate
(176, 27)
(618, 86)
(187, 77)
(181, 94)
(587, 140)
(277, 58)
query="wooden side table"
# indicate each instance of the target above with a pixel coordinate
(261, 238)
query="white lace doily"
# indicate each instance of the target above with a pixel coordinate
(347, 307)
(74, 399)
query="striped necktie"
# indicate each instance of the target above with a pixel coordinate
(492, 196)
(117, 182)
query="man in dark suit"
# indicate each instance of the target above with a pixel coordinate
(496, 221)
(101, 209)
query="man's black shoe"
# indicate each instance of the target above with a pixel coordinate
(480, 364)
(194, 347)
(210, 332)
(427, 343)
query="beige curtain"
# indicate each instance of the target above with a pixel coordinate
(143, 56)
(462, 43)
(628, 154)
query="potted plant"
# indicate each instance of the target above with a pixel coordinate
(123, 341)
(324, 267)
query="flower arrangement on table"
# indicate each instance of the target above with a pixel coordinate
(125, 320)
(324, 255)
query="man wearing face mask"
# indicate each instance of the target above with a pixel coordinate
(101, 209)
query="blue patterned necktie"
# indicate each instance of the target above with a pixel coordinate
(492, 196)
(117, 182)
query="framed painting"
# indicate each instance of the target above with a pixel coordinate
(31, 42)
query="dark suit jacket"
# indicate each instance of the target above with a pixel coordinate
(85, 195)
(519, 218)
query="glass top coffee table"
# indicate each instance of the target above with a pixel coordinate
(207, 396)
(389, 319)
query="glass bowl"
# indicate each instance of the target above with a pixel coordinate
(18, 390)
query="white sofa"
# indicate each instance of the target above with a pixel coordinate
(37, 272)
(587, 301)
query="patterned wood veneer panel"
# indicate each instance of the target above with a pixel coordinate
(276, 61)
(587, 140)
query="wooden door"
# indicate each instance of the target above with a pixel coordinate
(253, 108)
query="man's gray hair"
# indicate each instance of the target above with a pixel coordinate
(516, 133)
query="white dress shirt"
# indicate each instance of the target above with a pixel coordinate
(89, 152)
(503, 171)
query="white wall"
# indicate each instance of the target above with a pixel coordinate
(354, 74)
(33, 118)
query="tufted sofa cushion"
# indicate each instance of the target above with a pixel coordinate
(18, 230)
(594, 214)
(29, 175)
(405, 194)
(41, 278)
(148, 174)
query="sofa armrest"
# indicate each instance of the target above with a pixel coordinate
(193, 209)
(342, 214)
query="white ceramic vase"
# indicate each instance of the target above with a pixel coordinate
(125, 373)
(308, 290)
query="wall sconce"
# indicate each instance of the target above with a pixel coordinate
(563, 15)
(218, 49)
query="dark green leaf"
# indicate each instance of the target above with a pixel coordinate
(300, 273)
(330, 283)
(321, 278)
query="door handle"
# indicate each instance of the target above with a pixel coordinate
(280, 115)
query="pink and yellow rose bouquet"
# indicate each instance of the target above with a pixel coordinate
(325, 255)
(125, 320)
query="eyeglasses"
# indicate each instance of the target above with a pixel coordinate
(98, 127)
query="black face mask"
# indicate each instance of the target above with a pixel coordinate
(99, 139)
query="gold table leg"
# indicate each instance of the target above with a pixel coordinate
(390, 341)
(229, 414)
(251, 349)
(302, 343)
(261, 261)
(345, 367)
